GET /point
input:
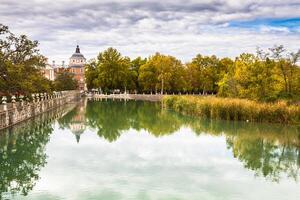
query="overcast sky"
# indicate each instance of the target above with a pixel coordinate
(141, 28)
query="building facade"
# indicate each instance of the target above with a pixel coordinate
(49, 72)
(76, 66)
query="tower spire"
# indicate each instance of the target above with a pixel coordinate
(77, 49)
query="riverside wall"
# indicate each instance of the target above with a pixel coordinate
(143, 97)
(15, 112)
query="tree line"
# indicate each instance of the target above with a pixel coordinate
(266, 75)
(21, 67)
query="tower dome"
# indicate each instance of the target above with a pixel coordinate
(77, 58)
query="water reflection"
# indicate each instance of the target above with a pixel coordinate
(271, 151)
(22, 153)
(75, 120)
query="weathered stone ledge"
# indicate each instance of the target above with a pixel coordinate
(15, 112)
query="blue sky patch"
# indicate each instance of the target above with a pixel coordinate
(292, 23)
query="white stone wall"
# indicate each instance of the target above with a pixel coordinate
(13, 113)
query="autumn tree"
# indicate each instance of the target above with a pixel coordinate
(287, 69)
(265, 76)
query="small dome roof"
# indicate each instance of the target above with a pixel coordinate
(77, 54)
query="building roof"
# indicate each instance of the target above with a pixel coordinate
(77, 54)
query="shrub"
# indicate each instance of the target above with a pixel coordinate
(234, 109)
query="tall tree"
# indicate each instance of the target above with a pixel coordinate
(205, 73)
(112, 70)
(20, 64)
(161, 72)
(91, 74)
(148, 77)
(134, 70)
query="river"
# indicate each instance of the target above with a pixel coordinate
(139, 150)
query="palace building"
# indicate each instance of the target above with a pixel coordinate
(76, 66)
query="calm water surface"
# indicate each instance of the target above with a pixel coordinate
(137, 150)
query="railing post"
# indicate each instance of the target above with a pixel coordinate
(27, 100)
(37, 97)
(4, 99)
(21, 99)
(33, 99)
(13, 99)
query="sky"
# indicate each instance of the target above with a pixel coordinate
(182, 28)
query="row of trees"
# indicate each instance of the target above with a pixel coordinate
(266, 75)
(21, 67)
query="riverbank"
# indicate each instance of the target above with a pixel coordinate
(143, 97)
(234, 109)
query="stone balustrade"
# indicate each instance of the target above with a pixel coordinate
(20, 108)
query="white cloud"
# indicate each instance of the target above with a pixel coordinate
(182, 29)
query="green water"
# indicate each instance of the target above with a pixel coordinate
(138, 150)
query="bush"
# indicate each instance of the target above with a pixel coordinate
(234, 109)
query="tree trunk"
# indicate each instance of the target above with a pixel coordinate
(162, 86)
(284, 77)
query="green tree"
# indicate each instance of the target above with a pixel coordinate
(91, 74)
(161, 72)
(20, 64)
(65, 81)
(205, 72)
(112, 70)
(148, 77)
(134, 70)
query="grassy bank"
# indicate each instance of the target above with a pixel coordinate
(234, 109)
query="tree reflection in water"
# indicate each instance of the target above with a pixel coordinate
(270, 150)
(22, 153)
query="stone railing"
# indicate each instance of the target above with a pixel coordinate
(17, 111)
